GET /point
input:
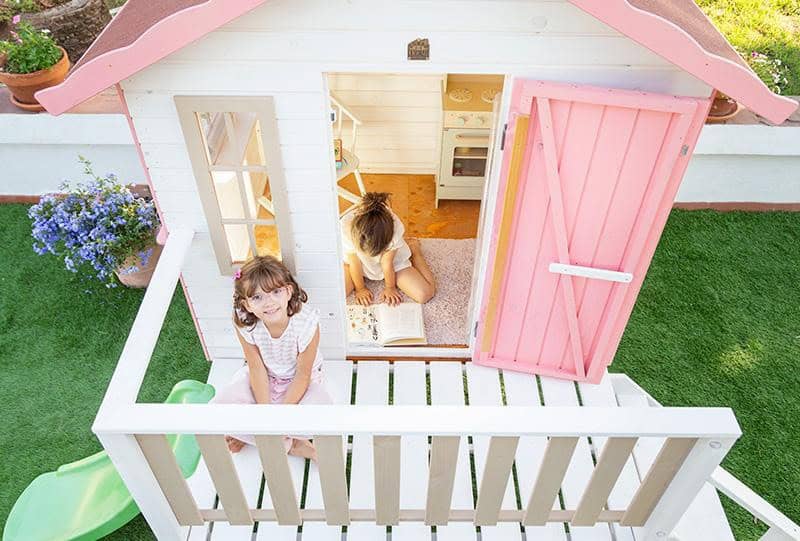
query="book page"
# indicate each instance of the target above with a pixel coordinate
(362, 325)
(399, 322)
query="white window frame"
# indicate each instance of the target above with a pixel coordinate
(263, 107)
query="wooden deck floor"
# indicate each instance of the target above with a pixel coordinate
(450, 383)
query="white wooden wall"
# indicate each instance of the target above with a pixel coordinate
(402, 120)
(285, 47)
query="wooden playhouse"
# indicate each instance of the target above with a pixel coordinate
(230, 104)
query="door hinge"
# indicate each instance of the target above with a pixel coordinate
(475, 330)
(503, 140)
(684, 150)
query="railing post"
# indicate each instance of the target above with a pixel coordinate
(132, 466)
(695, 471)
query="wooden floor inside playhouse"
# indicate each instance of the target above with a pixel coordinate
(413, 200)
(450, 383)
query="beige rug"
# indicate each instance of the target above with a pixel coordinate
(446, 314)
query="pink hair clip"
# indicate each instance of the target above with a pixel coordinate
(237, 274)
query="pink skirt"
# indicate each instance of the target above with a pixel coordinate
(238, 391)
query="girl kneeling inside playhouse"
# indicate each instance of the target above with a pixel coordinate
(374, 247)
(280, 340)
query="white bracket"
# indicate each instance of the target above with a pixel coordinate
(590, 272)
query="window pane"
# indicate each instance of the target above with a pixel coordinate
(267, 240)
(254, 153)
(232, 150)
(212, 129)
(238, 242)
(226, 189)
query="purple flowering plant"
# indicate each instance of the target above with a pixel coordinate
(94, 226)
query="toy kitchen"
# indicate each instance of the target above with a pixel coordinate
(467, 108)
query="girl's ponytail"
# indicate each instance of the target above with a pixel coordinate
(374, 202)
(372, 228)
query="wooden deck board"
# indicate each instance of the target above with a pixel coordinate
(447, 388)
(522, 390)
(563, 393)
(372, 388)
(602, 394)
(484, 390)
(338, 381)
(410, 390)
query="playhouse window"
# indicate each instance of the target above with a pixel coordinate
(235, 179)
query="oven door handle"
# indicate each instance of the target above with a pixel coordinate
(484, 138)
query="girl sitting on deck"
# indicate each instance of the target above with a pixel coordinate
(280, 340)
(374, 248)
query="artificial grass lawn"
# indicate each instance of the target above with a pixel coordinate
(771, 27)
(717, 324)
(58, 348)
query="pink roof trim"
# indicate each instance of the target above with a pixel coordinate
(651, 30)
(163, 38)
(673, 43)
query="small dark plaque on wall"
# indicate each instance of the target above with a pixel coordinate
(419, 49)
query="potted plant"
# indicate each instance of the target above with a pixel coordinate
(30, 61)
(723, 108)
(770, 70)
(99, 228)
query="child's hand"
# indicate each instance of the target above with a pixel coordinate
(364, 297)
(391, 296)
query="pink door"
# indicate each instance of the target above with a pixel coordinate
(589, 176)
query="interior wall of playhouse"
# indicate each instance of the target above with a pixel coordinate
(295, 52)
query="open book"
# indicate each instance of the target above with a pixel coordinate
(384, 325)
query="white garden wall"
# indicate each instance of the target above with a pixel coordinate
(744, 163)
(37, 152)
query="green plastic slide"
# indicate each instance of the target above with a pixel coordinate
(87, 499)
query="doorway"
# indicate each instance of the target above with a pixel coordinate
(390, 134)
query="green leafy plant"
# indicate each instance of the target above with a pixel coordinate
(771, 70)
(29, 50)
(11, 8)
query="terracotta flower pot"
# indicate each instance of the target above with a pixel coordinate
(133, 273)
(723, 108)
(23, 86)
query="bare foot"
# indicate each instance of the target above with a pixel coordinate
(304, 449)
(234, 445)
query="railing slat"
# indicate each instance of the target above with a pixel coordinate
(667, 464)
(441, 478)
(556, 459)
(386, 456)
(275, 464)
(499, 460)
(330, 458)
(161, 459)
(226, 480)
(613, 458)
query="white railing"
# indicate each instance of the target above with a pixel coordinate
(341, 112)
(781, 528)
(695, 440)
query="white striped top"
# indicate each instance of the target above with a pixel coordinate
(280, 354)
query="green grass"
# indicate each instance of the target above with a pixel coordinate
(58, 348)
(717, 324)
(771, 27)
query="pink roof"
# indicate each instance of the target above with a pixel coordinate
(144, 32)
